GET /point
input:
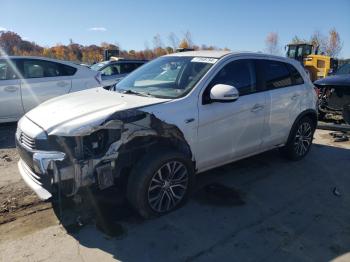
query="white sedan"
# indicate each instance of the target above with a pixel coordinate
(25, 82)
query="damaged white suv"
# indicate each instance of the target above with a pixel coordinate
(172, 118)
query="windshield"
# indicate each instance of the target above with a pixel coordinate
(166, 77)
(98, 66)
(291, 51)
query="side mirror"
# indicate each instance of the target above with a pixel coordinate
(223, 93)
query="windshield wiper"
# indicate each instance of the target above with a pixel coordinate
(132, 92)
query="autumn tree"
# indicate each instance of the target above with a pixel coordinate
(186, 41)
(92, 54)
(169, 50)
(272, 43)
(12, 44)
(184, 44)
(9, 40)
(75, 52)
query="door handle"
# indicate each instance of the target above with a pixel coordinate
(11, 88)
(295, 96)
(189, 120)
(62, 84)
(257, 107)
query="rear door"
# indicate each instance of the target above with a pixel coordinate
(10, 94)
(285, 89)
(43, 80)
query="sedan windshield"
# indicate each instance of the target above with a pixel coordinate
(98, 66)
(166, 77)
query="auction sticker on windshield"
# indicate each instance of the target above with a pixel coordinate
(208, 60)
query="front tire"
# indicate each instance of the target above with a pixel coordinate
(300, 140)
(160, 183)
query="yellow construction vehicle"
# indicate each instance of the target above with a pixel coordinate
(317, 65)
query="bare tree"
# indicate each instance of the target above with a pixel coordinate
(173, 40)
(157, 41)
(272, 44)
(334, 44)
(188, 38)
(318, 41)
(297, 40)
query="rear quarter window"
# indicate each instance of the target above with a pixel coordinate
(68, 70)
(297, 79)
(276, 74)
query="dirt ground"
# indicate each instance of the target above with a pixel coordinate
(264, 208)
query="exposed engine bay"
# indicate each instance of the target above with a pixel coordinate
(334, 103)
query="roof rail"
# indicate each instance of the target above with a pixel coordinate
(178, 50)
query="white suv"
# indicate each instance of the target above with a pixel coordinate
(176, 116)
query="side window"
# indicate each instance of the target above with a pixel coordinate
(126, 68)
(41, 68)
(240, 74)
(343, 70)
(6, 70)
(276, 74)
(67, 70)
(296, 77)
(33, 69)
(137, 65)
(111, 70)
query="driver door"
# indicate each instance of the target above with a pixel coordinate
(231, 130)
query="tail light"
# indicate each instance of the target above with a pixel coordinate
(98, 78)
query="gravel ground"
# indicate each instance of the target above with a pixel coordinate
(260, 209)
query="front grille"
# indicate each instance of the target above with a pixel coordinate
(27, 141)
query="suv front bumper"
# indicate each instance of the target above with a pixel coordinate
(33, 180)
(38, 170)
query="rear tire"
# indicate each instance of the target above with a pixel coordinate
(300, 139)
(160, 183)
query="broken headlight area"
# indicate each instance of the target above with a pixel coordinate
(97, 143)
(86, 163)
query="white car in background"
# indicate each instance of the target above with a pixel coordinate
(26, 82)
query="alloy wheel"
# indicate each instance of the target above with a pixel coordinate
(303, 139)
(168, 186)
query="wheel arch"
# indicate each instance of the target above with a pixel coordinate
(134, 150)
(311, 113)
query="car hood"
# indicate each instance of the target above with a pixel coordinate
(335, 80)
(76, 113)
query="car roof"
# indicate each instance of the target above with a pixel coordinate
(32, 57)
(71, 63)
(219, 54)
(123, 61)
(202, 53)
